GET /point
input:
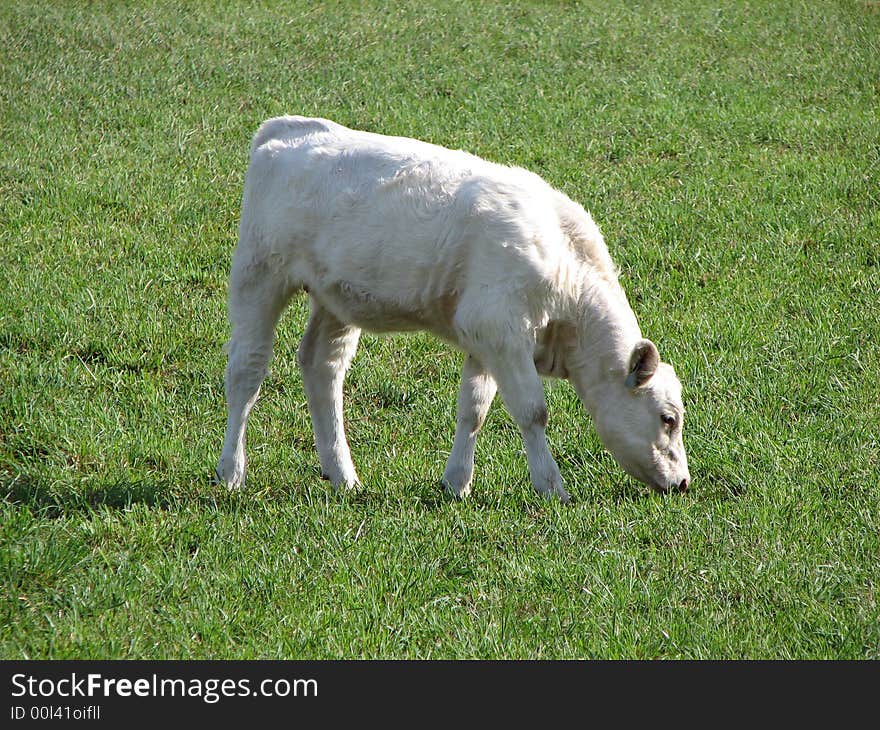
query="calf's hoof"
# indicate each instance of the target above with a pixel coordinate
(555, 490)
(456, 485)
(342, 482)
(235, 483)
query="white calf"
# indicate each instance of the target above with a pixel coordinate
(392, 234)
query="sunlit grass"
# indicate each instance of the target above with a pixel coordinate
(729, 151)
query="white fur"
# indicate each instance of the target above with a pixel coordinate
(392, 234)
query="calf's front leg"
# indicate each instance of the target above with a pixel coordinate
(474, 398)
(523, 394)
(324, 355)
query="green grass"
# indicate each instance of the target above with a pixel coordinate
(728, 150)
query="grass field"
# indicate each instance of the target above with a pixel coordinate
(730, 151)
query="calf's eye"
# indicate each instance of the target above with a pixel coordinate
(668, 421)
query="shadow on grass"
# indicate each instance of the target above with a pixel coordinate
(428, 494)
(53, 502)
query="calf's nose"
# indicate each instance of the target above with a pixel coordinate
(684, 485)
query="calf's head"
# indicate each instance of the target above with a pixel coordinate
(640, 421)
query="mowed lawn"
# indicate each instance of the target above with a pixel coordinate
(730, 152)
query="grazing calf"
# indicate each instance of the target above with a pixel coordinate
(391, 234)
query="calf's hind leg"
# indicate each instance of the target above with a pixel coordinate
(254, 306)
(324, 355)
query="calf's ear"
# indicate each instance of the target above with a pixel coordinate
(642, 363)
